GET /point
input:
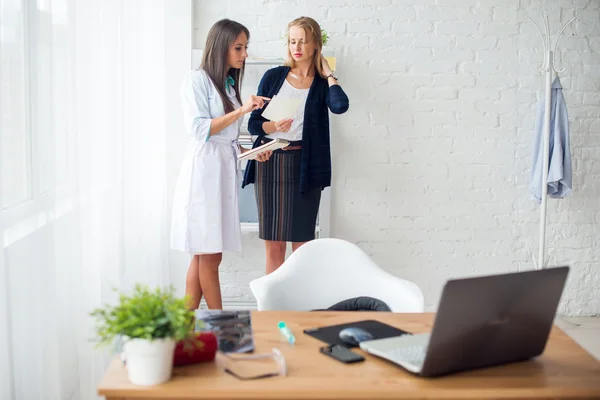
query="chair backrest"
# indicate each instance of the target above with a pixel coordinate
(325, 271)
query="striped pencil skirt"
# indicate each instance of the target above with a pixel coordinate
(283, 213)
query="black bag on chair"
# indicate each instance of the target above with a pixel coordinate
(362, 303)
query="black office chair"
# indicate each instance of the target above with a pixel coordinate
(362, 303)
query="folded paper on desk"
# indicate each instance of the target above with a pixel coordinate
(281, 108)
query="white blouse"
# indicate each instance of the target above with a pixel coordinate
(295, 132)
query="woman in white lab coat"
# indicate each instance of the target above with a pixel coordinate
(205, 219)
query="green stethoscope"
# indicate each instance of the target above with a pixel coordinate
(229, 82)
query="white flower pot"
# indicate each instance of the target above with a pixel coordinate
(149, 362)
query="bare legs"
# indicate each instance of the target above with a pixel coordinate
(276, 253)
(192, 284)
(296, 245)
(209, 279)
(203, 279)
(203, 274)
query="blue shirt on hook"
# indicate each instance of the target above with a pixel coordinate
(560, 173)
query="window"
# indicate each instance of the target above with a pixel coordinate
(14, 112)
(34, 104)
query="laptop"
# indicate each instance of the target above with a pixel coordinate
(481, 322)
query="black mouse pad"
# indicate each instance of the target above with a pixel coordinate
(331, 334)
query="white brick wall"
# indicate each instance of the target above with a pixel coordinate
(431, 164)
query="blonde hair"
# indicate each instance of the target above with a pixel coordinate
(313, 31)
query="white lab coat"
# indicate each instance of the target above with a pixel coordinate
(205, 216)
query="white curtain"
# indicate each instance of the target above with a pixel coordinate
(85, 208)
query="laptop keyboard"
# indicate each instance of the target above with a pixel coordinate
(414, 354)
(407, 350)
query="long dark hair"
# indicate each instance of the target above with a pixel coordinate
(214, 60)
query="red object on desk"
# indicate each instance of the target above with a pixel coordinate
(193, 352)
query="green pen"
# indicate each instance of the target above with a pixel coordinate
(286, 333)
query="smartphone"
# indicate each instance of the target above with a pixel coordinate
(341, 353)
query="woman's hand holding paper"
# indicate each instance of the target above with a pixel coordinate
(283, 125)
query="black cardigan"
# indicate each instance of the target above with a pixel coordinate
(315, 167)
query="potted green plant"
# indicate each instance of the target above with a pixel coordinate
(150, 322)
(328, 54)
(324, 37)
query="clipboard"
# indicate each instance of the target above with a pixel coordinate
(272, 145)
(331, 334)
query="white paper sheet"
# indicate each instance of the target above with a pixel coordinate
(281, 108)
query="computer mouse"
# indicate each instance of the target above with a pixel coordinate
(353, 336)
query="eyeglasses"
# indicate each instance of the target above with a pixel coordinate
(255, 366)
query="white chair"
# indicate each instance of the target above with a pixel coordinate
(326, 271)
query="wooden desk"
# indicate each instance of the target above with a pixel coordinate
(563, 371)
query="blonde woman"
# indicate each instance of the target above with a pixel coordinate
(288, 186)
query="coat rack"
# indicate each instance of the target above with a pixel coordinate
(548, 67)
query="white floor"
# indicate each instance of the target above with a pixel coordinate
(584, 330)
